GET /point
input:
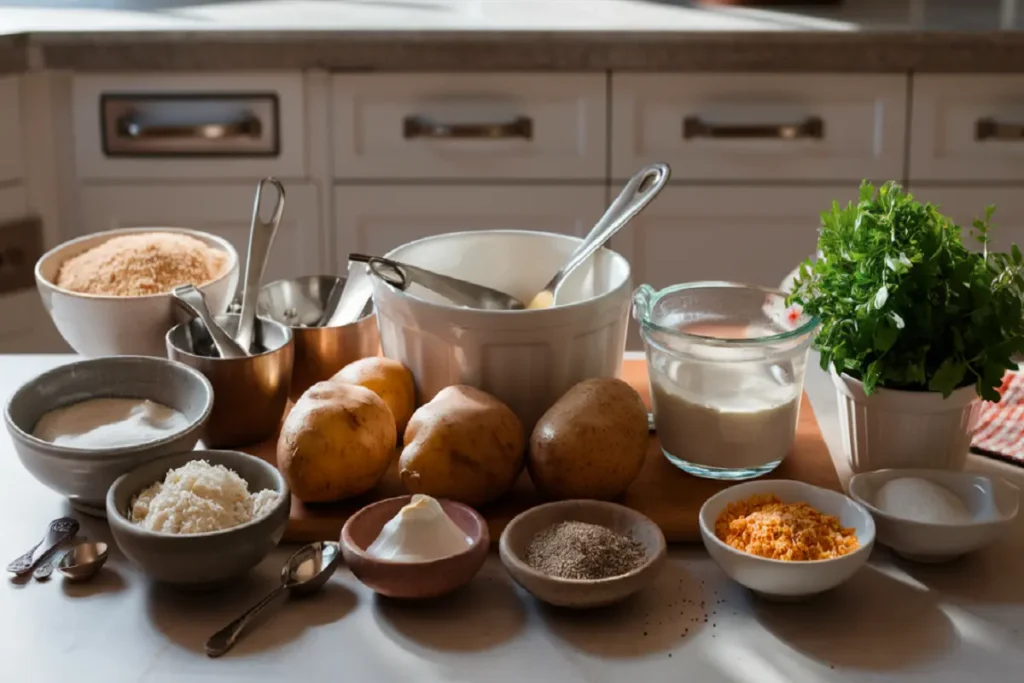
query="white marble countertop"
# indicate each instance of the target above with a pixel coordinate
(893, 621)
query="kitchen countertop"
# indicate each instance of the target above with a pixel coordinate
(509, 35)
(893, 621)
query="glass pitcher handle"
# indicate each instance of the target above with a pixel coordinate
(642, 300)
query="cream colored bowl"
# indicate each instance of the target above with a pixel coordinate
(96, 325)
(527, 359)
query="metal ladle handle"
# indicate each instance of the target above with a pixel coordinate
(261, 239)
(224, 639)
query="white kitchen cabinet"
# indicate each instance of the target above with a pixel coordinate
(967, 128)
(965, 204)
(11, 162)
(26, 326)
(470, 126)
(375, 219)
(760, 127)
(224, 210)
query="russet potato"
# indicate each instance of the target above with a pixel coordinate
(387, 378)
(337, 441)
(591, 443)
(464, 445)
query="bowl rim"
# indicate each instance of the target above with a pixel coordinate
(117, 518)
(626, 283)
(221, 243)
(357, 321)
(508, 556)
(72, 452)
(918, 472)
(348, 543)
(864, 545)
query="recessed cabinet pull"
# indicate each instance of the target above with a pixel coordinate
(421, 127)
(990, 129)
(131, 127)
(810, 128)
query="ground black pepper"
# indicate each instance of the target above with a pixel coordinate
(577, 550)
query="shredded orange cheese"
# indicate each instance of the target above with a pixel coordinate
(765, 526)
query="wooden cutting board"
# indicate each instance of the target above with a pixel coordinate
(664, 493)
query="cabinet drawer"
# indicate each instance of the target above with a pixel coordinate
(374, 220)
(189, 126)
(754, 127)
(223, 209)
(442, 126)
(10, 130)
(967, 128)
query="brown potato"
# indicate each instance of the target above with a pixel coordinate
(591, 443)
(337, 441)
(465, 445)
(387, 378)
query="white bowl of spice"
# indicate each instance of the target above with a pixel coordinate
(786, 539)
(108, 293)
(582, 553)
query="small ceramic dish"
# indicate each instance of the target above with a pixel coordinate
(85, 474)
(413, 580)
(992, 502)
(581, 593)
(780, 579)
(210, 558)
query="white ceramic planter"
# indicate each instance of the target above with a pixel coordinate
(905, 429)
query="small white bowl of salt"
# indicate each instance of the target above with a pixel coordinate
(936, 515)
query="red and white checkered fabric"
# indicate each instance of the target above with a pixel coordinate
(1000, 431)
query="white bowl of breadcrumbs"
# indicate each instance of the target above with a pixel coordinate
(108, 293)
(786, 539)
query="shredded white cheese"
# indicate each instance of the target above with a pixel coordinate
(199, 497)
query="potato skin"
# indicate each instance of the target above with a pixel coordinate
(464, 445)
(387, 378)
(337, 441)
(591, 443)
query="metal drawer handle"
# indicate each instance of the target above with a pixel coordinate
(811, 127)
(249, 127)
(990, 129)
(420, 127)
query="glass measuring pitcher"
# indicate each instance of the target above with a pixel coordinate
(726, 364)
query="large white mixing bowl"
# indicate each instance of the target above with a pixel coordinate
(527, 359)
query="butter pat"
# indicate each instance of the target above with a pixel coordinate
(420, 532)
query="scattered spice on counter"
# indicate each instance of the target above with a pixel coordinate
(577, 550)
(142, 263)
(199, 497)
(765, 526)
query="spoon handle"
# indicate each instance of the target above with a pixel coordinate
(261, 238)
(637, 194)
(224, 639)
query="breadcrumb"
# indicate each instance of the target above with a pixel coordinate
(141, 264)
(795, 532)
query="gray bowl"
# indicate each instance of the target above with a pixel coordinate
(84, 475)
(199, 559)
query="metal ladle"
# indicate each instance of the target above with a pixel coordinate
(193, 302)
(304, 573)
(261, 238)
(462, 293)
(635, 196)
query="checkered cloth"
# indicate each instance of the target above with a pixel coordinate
(1000, 431)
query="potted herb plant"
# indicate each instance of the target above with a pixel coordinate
(915, 328)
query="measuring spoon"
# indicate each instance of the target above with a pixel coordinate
(193, 301)
(60, 531)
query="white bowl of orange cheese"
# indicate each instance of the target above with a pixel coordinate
(786, 539)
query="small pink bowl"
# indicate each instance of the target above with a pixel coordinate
(413, 580)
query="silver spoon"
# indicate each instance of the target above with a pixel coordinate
(635, 196)
(60, 531)
(261, 238)
(84, 561)
(304, 573)
(462, 293)
(193, 301)
(351, 300)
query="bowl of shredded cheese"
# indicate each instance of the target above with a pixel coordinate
(786, 539)
(108, 293)
(201, 517)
